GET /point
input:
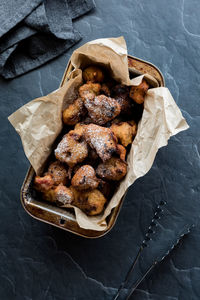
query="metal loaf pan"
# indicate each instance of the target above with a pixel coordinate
(63, 218)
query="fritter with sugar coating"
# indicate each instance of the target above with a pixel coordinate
(137, 93)
(85, 178)
(93, 74)
(101, 139)
(43, 184)
(121, 94)
(124, 132)
(102, 109)
(72, 149)
(58, 172)
(89, 90)
(91, 202)
(112, 169)
(63, 196)
(73, 113)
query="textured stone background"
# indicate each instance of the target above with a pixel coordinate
(38, 261)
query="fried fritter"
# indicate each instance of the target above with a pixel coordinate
(72, 149)
(89, 90)
(102, 109)
(137, 93)
(85, 178)
(121, 151)
(121, 94)
(91, 202)
(112, 169)
(73, 113)
(124, 132)
(58, 172)
(63, 196)
(55, 175)
(43, 184)
(101, 139)
(93, 74)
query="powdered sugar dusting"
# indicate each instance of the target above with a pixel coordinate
(85, 178)
(102, 109)
(101, 139)
(71, 151)
(64, 196)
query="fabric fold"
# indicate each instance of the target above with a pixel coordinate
(34, 32)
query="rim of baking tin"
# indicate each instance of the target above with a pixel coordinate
(131, 56)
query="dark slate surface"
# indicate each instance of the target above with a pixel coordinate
(39, 261)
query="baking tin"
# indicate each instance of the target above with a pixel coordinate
(64, 218)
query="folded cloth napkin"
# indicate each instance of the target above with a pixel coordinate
(34, 31)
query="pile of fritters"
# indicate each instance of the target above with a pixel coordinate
(91, 157)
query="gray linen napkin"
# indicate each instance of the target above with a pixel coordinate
(34, 32)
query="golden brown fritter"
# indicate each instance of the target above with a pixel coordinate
(124, 132)
(55, 175)
(101, 139)
(85, 178)
(72, 149)
(137, 93)
(105, 89)
(63, 196)
(73, 113)
(102, 109)
(121, 151)
(93, 74)
(121, 94)
(58, 172)
(91, 202)
(89, 90)
(112, 169)
(95, 202)
(43, 184)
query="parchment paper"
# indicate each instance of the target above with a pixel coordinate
(39, 122)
